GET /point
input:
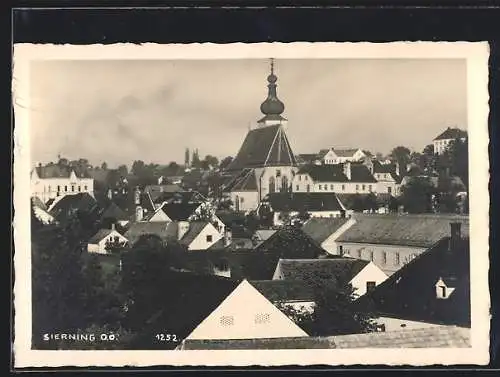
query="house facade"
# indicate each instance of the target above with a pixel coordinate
(443, 140)
(52, 181)
(246, 314)
(325, 231)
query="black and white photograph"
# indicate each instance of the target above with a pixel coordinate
(294, 197)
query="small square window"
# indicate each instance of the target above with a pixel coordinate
(209, 238)
(370, 286)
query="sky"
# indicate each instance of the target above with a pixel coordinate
(119, 111)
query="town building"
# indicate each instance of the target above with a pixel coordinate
(346, 178)
(52, 181)
(432, 290)
(325, 231)
(443, 140)
(64, 207)
(392, 241)
(362, 275)
(265, 162)
(335, 156)
(103, 238)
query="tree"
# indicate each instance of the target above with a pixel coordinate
(210, 162)
(63, 161)
(457, 156)
(401, 155)
(195, 160)
(122, 170)
(416, 195)
(358, 204)
(371, 202)
(225, 162)
(104, 166)
(252, 222)
(334, 313)
(138, 167)
(186, 158)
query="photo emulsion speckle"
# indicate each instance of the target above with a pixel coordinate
(267, 202)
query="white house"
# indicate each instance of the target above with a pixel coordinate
(362, 275)
(246, 314)
(99, 242)
(443, 140)
(388, 176)
(198, 235)
(338, 156)
(52, 181)
(346, 178)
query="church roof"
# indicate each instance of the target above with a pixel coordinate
(264, 146)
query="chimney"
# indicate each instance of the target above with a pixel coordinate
(398, 170)
(182, 228)
(113, 226)
(347, 170)
(456, 235)
(137, 196)
(228, 237)
(139, 213)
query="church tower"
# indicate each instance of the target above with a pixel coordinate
(265, 163)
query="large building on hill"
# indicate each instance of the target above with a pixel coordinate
(443, 140)
(265, 162)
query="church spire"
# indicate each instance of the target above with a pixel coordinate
(272, 107)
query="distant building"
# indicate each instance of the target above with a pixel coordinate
(432, 290)
(325, 231)
(392, 241)
(443, 140)
(265, 162)
(64, 207)
(346, 178)
(52, 181)
(334, 156)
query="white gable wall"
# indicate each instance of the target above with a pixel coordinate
(370, 273)
(201, 242)
(159, 216)
(246, 314)
(329, 244)
(100, 247)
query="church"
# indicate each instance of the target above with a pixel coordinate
(265, 162)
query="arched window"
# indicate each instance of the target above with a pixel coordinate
(284, 184)
(272, 185)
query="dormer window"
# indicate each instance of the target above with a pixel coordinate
(444, 288)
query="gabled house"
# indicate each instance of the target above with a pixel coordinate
(432, 290)
(325, 231)
(195, 235)
(339, 156)
(362, 275)
(286, 206)
(104, 237)
(346, 178)
(443, 140)
(392, 241)
(388, 176)
(246, 314)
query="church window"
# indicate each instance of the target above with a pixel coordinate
(284, 184)
(272, 185)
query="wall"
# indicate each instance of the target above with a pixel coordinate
(370, 273)
(330, 244)
(201, 243)
(390, 265)
(301, 181)
(246, 314)
(250, 200)
(159, 216)
(394, 324)
(383, 187)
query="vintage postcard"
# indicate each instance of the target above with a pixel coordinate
(251, 204)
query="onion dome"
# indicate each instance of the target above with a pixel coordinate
(272, 105)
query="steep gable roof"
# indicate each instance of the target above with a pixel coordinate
(115, 212)
(179, 211)
(361, 173)
(304, 201)
(73, 202)
(324, 173)
(410, 293)
(451, 133)
(290, 242)
(164, 230)
(319, 229)
(264, 146)
(102, 233)
(245, 182)
(195, 228)
(404, 230)
(339, 270)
